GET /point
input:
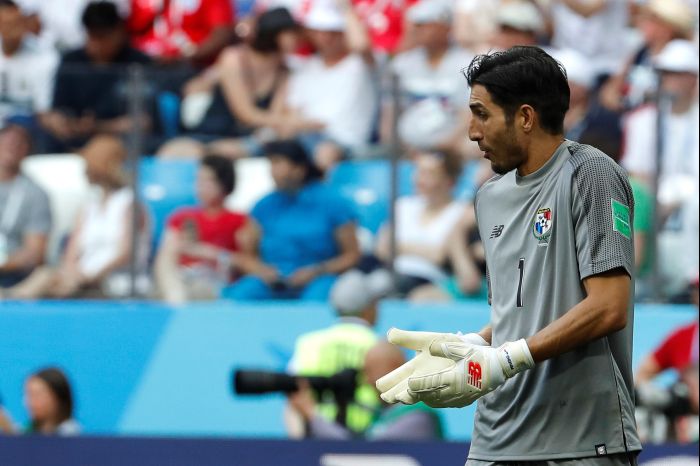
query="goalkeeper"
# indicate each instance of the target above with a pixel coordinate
(552, 372)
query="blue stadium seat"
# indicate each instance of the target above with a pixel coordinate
(169, 113)
(166, 185)
(367, 184)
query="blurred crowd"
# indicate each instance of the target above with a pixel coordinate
(312, 85)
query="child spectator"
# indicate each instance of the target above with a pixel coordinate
(197, 254)
(299, 237)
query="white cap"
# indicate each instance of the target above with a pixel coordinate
(679, 56)
(430, 11)
(325, 17)
(523, 16)
(578, 69)
(354, 290)
(676, 13)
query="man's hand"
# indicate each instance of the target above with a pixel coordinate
(449, 372)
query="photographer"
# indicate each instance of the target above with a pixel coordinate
(343, 346)
(671, 413)
(390, 422)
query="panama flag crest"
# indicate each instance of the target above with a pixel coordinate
(542, 226)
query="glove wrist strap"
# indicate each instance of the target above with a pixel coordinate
(515, 357)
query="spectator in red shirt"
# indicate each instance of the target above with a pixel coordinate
(197, 255)
(678, 351)
(173, 30)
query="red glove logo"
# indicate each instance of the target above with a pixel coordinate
(474, 374)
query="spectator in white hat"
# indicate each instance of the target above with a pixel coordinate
(677, 173)
(518, 23)
(335, 87)
(343, 345)
(659, 22)
(432, 89)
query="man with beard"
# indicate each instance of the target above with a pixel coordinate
(552, 371)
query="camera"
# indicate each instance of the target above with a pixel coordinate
(671, 402)
(257, 382)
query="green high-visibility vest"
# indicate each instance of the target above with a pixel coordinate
(329, 351)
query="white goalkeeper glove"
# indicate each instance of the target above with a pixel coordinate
(449, 372)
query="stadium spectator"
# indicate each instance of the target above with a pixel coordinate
(424, 222)
(597, 29)
(90, 96)
(335, 87)
(343, 345)
(97, 257)
(196, 256)
(390, 422)
(678, 171)
(49, 401)
(517, 23)
(464, 258)
(179, 30)
(25, 213)
(677, 352)
(26, 69)
(431, 87)
(299, 237)
(659, 22)
(231, 107)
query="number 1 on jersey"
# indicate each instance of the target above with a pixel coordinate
(521, 268)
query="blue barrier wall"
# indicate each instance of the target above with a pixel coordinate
(146, 369)
(33, 451)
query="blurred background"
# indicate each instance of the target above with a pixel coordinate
(211, 211)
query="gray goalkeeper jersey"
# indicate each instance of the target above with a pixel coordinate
(543, 234)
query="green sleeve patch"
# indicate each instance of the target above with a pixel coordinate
(621, 218)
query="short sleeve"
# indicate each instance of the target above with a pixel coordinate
(39, 219)
(176, 220)
(603, 213)
(341, 211)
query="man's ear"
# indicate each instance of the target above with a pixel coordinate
(525, 117)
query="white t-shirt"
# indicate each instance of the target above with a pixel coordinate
(412, 230)
(679, 166)
(602, 37)
(342, 96)
(26, 79)
(102, 231)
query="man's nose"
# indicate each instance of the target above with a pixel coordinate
(475, 133)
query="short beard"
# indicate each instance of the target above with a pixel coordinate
(513, 154)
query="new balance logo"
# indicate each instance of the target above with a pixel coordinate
(474, 374)
(496, 232)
